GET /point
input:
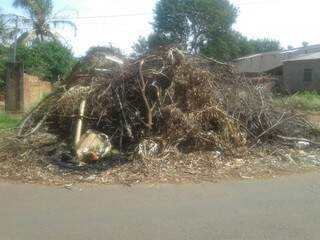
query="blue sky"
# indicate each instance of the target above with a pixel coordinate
(290, 21)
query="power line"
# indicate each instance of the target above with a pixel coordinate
(104, 16)
(94, 17)
(137, 14)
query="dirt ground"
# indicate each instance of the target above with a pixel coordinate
(313, 117)
(263, 162)
(30, 166)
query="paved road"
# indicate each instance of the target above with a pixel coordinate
(284, 208)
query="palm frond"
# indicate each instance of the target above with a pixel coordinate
(42, 8)
(36, 9)
(21, 3)
(40, 19)
(47, 7)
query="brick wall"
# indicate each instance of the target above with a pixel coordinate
(34, 90)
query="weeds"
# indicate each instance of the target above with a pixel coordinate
(305, 101)
(8, 121)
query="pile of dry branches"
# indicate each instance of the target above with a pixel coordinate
(175, 100)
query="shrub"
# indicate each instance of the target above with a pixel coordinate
(48, 60)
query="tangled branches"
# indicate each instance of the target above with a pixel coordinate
(190, 102)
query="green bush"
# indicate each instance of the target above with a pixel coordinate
(48, 60)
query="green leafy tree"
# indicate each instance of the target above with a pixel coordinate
(141, 47)
(227, 46)
(150, 43)
(194, 22)
(265, 45)
(39, 22)
(99, 57)
(240, 45)
(103, 51)
(201, 26)
(48, 60)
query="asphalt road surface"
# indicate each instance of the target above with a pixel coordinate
(283, 208)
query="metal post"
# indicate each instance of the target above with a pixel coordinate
(79, 123)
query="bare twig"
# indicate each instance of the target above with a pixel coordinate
(36, 128)
(299, 140)
(142, 86)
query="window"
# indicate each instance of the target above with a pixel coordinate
(307, 75)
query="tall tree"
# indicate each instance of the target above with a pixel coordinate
(194, 22)
(201, 26)
(39, 21)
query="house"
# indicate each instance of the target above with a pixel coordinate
(279, 64)
(271, 61)
(302, 73)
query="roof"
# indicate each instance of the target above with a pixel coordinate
(287, 51)
(255, 55)
(312, 56)
(264, 62)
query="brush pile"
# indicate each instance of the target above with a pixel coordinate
(163, 101)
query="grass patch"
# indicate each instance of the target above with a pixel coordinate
(8, 121)
(305, 101)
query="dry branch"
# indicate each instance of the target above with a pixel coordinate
(189, 102)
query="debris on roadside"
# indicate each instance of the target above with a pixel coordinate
(150, 116)
(93, 147)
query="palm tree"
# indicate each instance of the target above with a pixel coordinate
(39, 22)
